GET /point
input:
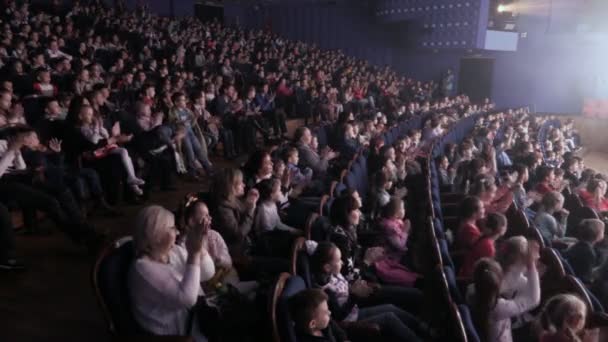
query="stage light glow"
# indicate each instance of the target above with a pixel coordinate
(502, 8)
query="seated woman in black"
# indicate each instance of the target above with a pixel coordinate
(345, 216)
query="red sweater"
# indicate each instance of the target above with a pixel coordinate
(484, 247)
(543, 188)
(589, 200)
(467, 235)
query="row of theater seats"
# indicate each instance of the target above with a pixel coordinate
(354, 176)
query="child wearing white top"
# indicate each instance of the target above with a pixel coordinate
(491, 312)
(92, 129)
(272, 234)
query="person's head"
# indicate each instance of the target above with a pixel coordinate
(52, 108)
(559, 175)
(270, 190)
(591, 230)
(195, 212)
(259, 163)
(292, 156)
(86, 115)
(278, 167)
(394, 209)
(495, 225)
(471, 209)
(44, 76)
(596, 185)
(388, 152)
(179, 100)
(564, 313)
(326, 259)
(572, 165)
(382, 180)
(545, 174)
(442, 162)
(349, 132)
(229, 184)
(587, 174)
(552, 201)
(303, 135)
(487, 278)
(309, 311)
(155, 231)
(345, 212)
(513, 253)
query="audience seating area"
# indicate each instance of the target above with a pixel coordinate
(401, 209)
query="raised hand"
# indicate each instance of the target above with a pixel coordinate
(194, 242)
(116, 129)
(252, 198)
(55, 145)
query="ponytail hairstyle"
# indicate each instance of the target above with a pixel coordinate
(558, 310)
(487, 278)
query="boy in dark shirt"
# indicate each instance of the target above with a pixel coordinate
(312, 318)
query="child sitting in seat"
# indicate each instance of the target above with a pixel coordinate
(563, 320)
(549, 227)
(93, 130)
(272, 233)
(494, 228)
(326, 264)
(298, 176)
(312, 318)
(583, 256)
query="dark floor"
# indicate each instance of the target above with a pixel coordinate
(54, 300)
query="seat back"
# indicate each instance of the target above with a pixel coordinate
(517, 222)
(300, 265)
(109, 277)
(308, 227)
(285, 287)
(467, 321)
(554, 270)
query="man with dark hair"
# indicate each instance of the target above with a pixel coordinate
(312, 318)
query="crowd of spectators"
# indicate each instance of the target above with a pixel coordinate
(100, 106)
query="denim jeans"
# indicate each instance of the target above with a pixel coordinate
(195, 150)
(407, 298)
(394, 322)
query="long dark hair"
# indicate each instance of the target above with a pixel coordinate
(486, 279)
(321, 256)
(254, 163)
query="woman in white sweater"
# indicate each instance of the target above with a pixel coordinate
(492, 314)
(164, 280)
